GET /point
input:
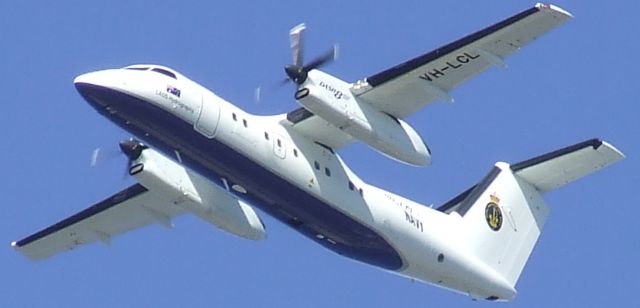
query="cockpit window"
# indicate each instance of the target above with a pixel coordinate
(164, 72)
(138, 68)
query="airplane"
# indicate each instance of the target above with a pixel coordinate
(196, 153)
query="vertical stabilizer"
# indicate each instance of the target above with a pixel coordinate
(503, 214)
(504, 222)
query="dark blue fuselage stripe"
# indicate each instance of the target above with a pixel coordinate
(274, 195)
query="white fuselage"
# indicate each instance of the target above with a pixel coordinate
(427, 241)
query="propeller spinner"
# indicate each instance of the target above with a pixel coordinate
(132, 148)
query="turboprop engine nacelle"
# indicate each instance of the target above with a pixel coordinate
(328, 98)
(196, 194)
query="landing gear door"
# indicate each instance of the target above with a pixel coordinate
(207, 122)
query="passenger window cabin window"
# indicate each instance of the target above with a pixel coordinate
(164, 72)
(317, 165)
(295, 152)
(234, 116)
(244, 122)
(361, 192)
(327, 171)
(266, 136)
(351, 186)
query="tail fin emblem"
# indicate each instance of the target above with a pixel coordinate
(493, 214)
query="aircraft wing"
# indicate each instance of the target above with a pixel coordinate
(132, 208)
(405, 88)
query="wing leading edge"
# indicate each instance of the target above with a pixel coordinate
(407, 87)
(129, 209)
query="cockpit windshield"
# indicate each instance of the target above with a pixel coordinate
(156, 69)
(137, 68)
(164, 72)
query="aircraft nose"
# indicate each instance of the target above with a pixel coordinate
(86, 85)
(85, 82)
(84, 78)
(106, 78)
(97, 87)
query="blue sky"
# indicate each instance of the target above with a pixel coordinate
(575, 83)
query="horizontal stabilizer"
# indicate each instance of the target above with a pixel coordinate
(504, 213)
(555, 169)
(546, 172)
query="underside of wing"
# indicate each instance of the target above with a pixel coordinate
(129, 209)
(405, 88)
(558, 168)
(545, 172)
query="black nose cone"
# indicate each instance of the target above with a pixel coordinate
(132, 148)
(296, 73)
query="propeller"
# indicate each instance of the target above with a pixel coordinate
(100, 155)
(298, 71)
(131, 148)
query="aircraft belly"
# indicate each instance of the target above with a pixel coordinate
(286, 202)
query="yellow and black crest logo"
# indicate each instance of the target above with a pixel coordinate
(493, 214)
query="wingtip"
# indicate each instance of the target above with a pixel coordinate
(548, 6)
(617, 153)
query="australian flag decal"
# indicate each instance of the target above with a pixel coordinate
(173, 90)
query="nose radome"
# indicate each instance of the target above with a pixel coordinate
(85, 83)
(98, 87)
(98, 78)
(84, 78)
(105, 78)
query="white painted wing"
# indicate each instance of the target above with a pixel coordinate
(129, 209)
(558, 168)
(405, 88)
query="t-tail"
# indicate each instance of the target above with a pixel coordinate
(503, 215)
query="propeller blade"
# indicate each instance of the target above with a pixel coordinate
(298, 72)
(295, 37)
(327, 57)
(257, 94)
(94, 157)
(99, 155)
